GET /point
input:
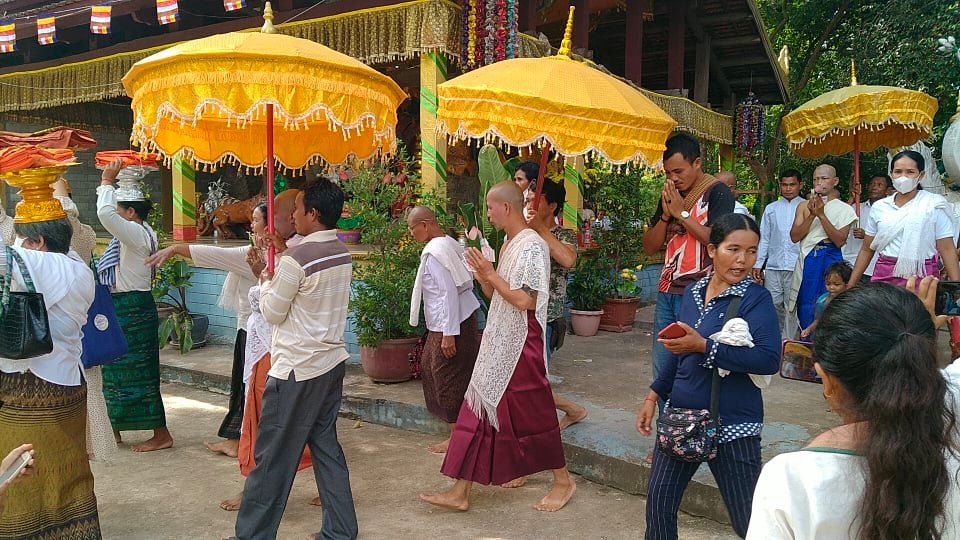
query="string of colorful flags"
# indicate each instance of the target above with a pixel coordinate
(168, 12)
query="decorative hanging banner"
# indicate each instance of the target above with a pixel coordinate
(100, 19)
(167, 11)
(233, 5)
(490, 31)
(8, 36)
(46, 30)
(749, 124)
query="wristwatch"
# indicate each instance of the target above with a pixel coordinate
(684, 215)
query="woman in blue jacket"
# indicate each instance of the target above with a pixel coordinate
(686, 379)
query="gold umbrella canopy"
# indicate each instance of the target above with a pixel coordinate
(576, 109)
(206, 100)
(863, 116)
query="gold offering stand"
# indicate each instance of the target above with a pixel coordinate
(36, 191)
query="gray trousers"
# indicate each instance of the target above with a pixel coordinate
(294, 414)
(778, 283)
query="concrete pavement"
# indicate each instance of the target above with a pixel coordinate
(173, 494)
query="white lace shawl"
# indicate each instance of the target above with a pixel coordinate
(524, 261)
(914, 223)
(259, 336)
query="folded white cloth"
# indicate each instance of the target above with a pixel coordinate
(736, 332)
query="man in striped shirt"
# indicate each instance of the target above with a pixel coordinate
(306, 301)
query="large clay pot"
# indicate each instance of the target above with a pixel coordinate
(619, 314)
(388, 361)
(585, 323)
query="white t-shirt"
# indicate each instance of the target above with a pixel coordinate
(851, 250)
(884, 212)
(816, 493)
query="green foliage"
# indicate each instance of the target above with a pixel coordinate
(174, 277)
(625, 283)
(589, 284)
(384, 279)
(492, 171)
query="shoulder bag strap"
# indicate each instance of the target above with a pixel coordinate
(733, 308)
(24, 273)
(5, 299)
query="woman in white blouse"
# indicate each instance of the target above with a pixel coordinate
(45, 398)
(911, 229)
(890, 470)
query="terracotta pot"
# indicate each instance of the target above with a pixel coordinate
(619, 314)
(585, 323)
(388, 362)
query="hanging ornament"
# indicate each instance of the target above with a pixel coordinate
(749, 124)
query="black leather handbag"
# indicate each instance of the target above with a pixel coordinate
(24, 327)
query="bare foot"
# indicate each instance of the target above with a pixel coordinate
(161, 440)
(570, 419)
(315, 502)
(649, 458)
(558, 497)
(116, 436)
(227, 447)
(515, 483)
(439, 448)
(232, 505)
(447, 500)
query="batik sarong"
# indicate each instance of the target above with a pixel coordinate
(528, 440)
(57, 500)
(131, 385)
(230, 427)
(813, 284)
(445, 380)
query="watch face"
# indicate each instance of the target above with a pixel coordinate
(684, 214)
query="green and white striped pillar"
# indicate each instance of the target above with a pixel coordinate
(433, 147)
(573, 183)
(184, 194)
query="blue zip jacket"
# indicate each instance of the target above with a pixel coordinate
(686, 379)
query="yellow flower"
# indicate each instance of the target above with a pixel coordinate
(639, 267)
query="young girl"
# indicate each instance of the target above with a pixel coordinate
(835, 277)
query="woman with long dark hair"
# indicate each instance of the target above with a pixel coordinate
(686, 379)
(911, 229)
(890, 470)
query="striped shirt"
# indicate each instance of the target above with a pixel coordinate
(307, 302)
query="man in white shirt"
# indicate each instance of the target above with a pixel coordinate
(880, 184)
(777, 254)
(449, 309)
(730, 180)
(306, 301)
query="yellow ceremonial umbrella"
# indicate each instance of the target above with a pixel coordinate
(558, 103)
(859, 118)
(214, 101)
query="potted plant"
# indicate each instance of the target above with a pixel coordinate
(629, 199)
(177, 324)
(383, 279)
(348, 229)
(586, 292)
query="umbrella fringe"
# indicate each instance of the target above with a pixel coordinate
(872, 127)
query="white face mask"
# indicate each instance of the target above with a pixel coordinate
(905, 184)
(18, 242)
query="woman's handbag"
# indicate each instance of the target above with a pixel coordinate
(692, 435)
(24, 327)
(103, 340)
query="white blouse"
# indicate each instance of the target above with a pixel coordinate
(135, 243)
(66, 283)
(816, 493)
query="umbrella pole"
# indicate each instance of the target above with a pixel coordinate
(856, 172)
(271, 251)
(543, 170)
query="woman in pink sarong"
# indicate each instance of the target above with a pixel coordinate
(507, 427)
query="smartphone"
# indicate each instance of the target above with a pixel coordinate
(796, 362)
(17, 466)
(948, 298)
(672, 331)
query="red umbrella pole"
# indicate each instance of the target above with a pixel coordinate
(270, 228)
(856, 172)
(543, 170)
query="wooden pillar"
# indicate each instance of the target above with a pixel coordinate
(675, 43)
(184, 194)
(701, 83)
(726, 157)
(581, 25)
(529, 17)
(633, 53)
(433, 147)
(573, 183)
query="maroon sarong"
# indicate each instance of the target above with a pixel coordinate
(445, 380)
(529, 437)
(883, 271)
